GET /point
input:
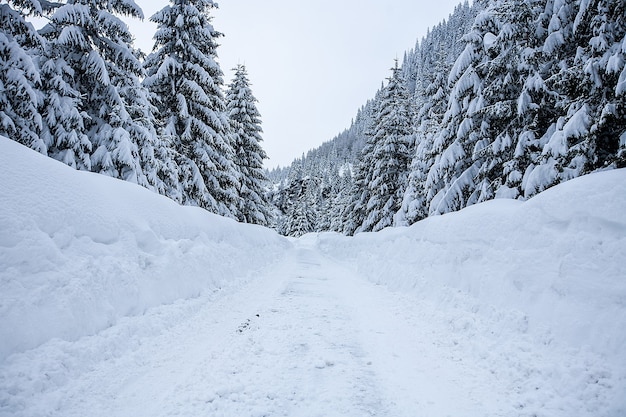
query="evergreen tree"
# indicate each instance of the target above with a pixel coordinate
(328, 189)
(391, 155)
(299, 202)
(355, 212)
(600, 29)
(509, 39)
(186, 85)
(557, 161)
(340, 201)
(99, 62)
(63, 123)
(450, 181)
(156, 157)
(20, 96)
(414, 204)
(246, 127)
(583, 54)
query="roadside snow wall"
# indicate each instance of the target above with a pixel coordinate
(556, 263)
(78, 250)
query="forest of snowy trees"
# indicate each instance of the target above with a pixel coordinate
(79, 91)
(503, 100)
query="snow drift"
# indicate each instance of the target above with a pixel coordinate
(78, 250)
(532, 292)
(556, 260)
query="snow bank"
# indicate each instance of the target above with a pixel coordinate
(78, 251)
(555, 263)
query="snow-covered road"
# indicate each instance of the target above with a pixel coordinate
(115, 301)
(306, 337)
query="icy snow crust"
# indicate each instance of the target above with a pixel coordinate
(115, 301)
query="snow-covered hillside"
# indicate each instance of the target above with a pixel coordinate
(115, 301)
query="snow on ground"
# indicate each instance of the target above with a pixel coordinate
(117, 302)
(533, 291)
(78, 250)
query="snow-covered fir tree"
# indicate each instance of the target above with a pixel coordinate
(603, 60)
(340, 200)
(390, 155)
(428, 118)
(245, 121)
(186, 83)
(298, 202)
(450, 181)
(63, 123)
(100, 63)
(20, 83)
(354, 214)
(490, 127)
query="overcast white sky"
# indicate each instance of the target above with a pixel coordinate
(312, 64)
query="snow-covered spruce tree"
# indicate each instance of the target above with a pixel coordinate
(435, 57)
(245, 121)
(340, 200)
(63, 123)
(354, 213)
(390, 156)
(600, 33)
(102, 64)
(299, 202)
(428, 124)
(328, 189)
(583, 46)
(516, 76)
(302, 216)
(156, 156)
(450, 180)
(508, 30)
(20, 96)
(186, 83)
(558, 161)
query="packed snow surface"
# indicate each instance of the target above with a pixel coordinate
(115, 301)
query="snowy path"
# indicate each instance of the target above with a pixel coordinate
(507, 308)
(308, 338)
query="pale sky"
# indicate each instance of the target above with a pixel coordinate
(312, 64)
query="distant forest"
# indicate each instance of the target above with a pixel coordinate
(504, 99)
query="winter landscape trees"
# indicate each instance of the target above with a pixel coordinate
(504, 99)
(186, 86)
(245, 120)
(79, 91)
(507, 99)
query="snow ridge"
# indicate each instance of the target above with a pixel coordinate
(79, 251)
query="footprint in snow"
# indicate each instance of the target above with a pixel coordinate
(245, 325)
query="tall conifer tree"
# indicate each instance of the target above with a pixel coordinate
(102, 63)
(20, 95)
(390, 155)
(246, 128)
(186, 83)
